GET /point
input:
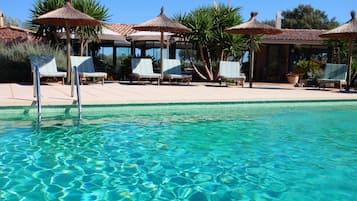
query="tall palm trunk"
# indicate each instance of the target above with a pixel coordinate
(205, 64)
(84, 44)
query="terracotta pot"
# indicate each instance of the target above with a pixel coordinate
(293, 79)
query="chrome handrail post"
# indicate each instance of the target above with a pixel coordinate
(38, 91)
(72, 77)
(78, 90)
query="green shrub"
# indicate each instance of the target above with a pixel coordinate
(14, 60)
(125, 69)
(305, 67)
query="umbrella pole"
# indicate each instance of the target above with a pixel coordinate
(68, 44)
(251, 62)
(70, 77)
(349, 64)
(161, 52)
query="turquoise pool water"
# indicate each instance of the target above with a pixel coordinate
(274, 151)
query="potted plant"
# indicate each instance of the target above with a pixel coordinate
(292, 77)
(302, 70)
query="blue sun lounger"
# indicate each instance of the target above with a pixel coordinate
(86, 68)
(230, 70)
(142, 68)
(47, 66)
(172, 71)
(333, 74)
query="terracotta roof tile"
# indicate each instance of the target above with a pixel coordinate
(13, 33)
(293, 36)
(289, 36)
(123, 29)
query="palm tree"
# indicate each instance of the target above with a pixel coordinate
(95, 10)
(209, 38)
(49, 32)
(90, 7)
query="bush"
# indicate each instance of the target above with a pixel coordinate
(306, 68)
(125, 69)
(14, 60)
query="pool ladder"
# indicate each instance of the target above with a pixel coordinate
(79, 103)
(38, 92)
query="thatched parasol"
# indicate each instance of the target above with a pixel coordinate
(68, 17)
(105, 35)
(345, 31)
(162, 24)
(252, 27)
(148, 35)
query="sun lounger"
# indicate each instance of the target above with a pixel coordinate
(172, 71)
(86, 68)
(333, 74)
(142, 68)
(47, 67)
(229, 70)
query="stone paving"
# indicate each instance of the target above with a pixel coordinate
(14, 94)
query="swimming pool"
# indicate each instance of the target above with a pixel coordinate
(197, 152)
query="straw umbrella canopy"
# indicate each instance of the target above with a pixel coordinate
(252, 27)
(162, 24)
(148, 35)
(345, 31)
(68, 17)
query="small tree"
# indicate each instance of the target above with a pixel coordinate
(306, 17)
(49, 32)
(95, 10)
(209, 39)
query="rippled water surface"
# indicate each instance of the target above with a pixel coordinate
(273, 151)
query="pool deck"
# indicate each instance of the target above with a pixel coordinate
(14, 94)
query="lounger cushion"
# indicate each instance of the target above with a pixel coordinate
(142, 68)
(172, 66)
(86, 67)
(172, 69)
(47, 66)
(230, 70)
(96, 74)
(333, 73)
(156, 75)
(56, 74)
(176, 76)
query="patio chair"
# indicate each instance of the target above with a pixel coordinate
(86, 68)
(142, 68)
(229, 70)
(172, 71)
(333, 74)
(47, 67)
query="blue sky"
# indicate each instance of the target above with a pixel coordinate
(137, 11)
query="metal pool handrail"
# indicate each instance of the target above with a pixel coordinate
(38, 92)
(78, 90)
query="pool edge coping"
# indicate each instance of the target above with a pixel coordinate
(72, 106)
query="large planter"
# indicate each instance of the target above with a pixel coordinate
(292, 78)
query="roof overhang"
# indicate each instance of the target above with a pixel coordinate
(292, 42)
(295, 37)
